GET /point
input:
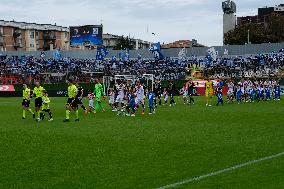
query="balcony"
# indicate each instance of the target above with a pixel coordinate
(18, 45)
(49, 36)
(17, 33)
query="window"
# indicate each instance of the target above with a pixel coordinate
(32, 34)
(36, 34)
(66, 35)
(32, 45)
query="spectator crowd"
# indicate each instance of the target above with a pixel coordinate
(27, 69)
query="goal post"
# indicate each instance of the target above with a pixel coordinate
(125, 77)
(107, 83)
(149, 80)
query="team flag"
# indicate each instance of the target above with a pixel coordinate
(102, 52)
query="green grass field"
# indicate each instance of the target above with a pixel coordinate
(175, 144)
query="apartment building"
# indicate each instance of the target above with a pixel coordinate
(22, 36)
(110, 41)
(262, 16)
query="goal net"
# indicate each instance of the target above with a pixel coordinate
(110, 81)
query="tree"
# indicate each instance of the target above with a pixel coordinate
(124, 43)
(239, 36)
(271, 31)
(275, 27)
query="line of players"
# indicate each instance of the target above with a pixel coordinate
(126, 98)
(251, 91)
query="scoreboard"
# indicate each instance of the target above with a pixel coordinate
(86, 35)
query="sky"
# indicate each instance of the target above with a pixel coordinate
(170, 20)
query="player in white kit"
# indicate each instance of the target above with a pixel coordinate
(91, 103)
(112, 100)
(140, 94)
(184, 92)
(166, 96)
(230, 93)
(120, 87)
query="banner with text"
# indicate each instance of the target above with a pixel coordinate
(7, 88)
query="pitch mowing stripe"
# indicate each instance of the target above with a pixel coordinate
(221, 171)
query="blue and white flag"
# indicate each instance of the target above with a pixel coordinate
(24, 60)
(124, 55)
(182, 54)
(139, 57)
(113, 58)
(127, 55)
(57, 54)
(155, 47)
(66, 60)
(156, 50)
(102, 52)
(42, 55)
(226, 52)
(208, 60)
(213, 53)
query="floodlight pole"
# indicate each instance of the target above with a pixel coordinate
(248, 37)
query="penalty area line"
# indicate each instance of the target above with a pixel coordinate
(201, 177)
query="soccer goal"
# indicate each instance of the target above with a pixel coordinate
(149, 80)
(110, 81)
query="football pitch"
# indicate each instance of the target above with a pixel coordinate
(234, 146)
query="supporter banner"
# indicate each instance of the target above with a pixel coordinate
(7, 88)
(51, 93)
(201, 83)
(86, 35)
(200, 87)
(57, 93)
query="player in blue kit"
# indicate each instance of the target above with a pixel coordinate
(239, 94)
(267, 93)
(130, 108)
(219, 96)
(261, 92)
(151, 99)
(277, 92)
(252, 94)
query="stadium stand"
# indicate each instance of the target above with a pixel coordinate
(27, 69)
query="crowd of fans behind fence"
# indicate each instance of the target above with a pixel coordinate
(28, 69)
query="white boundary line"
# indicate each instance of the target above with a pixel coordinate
(198, 178)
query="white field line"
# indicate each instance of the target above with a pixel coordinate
(198, 178)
